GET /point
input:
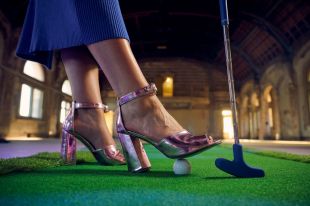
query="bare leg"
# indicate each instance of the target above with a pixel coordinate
(145, 115)
(82, 72)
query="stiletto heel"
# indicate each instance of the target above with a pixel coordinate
(179, 145)
(68, 148)
(108, 155)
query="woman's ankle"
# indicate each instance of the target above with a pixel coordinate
(91, 123)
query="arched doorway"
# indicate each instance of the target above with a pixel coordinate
(254, 116)
(271, 128)
(228, 129)
(244, 118)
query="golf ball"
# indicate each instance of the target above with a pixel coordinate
(182, 167)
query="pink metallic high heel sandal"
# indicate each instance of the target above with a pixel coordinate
(180, 145)
(109, 155)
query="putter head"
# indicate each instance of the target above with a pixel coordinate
(238, 167)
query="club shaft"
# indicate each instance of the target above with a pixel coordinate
(230, 76)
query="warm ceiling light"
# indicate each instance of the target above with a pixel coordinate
(162, 47)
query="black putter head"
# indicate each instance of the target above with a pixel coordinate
(238, 167)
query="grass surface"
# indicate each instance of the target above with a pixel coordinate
(39, 161)
(284, 155)
(276, 154)
(42, 160)
(286, 183)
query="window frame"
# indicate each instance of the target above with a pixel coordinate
(66, 111)
(31, 103)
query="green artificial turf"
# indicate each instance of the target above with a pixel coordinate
(39, 161)
(276, 154)
(47, 160)
(286, 183)
(42, 160)
(283, 155)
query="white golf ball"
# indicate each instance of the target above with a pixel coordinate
(182, 167)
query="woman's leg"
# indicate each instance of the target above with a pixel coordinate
(82, 72)
(145, 115)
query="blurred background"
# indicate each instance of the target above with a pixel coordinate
(179, 46)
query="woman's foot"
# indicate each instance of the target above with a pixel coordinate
(91, 124)
(142, 116)
(146, 115)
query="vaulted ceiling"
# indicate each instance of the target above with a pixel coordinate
(261, 30)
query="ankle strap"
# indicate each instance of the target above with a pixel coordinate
(150, 89)
(84, 105)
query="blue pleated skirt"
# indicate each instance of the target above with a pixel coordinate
(55, 24)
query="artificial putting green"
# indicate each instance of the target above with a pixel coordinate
(286, 183)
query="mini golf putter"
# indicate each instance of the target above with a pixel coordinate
(237, 167)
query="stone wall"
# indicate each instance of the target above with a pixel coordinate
(11, 79)
(301, 66)
(287, 79)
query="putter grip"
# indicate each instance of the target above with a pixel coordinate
(224, 12)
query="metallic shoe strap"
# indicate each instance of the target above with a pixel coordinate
(113, 153)
(84, 105)
(150, 89)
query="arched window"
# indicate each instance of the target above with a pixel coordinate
(34, 70)
(31, 98)
(168, 87)
(66, 88)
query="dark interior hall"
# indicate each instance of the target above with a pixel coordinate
(182, 42)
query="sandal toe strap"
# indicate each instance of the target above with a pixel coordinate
(189, 139)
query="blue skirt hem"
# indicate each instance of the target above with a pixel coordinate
(52, 25)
